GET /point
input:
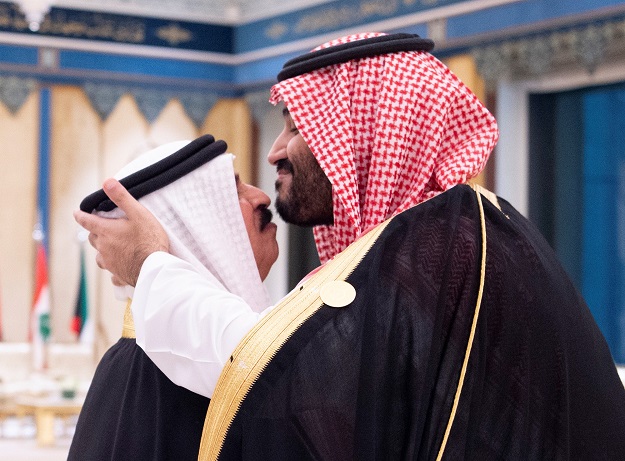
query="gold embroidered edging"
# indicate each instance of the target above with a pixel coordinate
(260, 345)
(492, 198)
(476, 314)
(128, 329)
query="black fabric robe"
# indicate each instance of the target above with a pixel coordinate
(133, 412)
(376, 380)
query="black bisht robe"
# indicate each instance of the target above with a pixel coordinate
(376, 380)
(133, 412)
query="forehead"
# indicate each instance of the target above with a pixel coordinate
(243, 188)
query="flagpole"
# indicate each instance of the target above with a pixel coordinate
(40, 316)
(43, 182)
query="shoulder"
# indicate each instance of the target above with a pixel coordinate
(446, 211)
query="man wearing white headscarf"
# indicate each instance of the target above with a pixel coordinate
(132, 410)
(441, 324)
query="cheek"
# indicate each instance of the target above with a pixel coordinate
(250, 229)
(296, 147)
(248, 217)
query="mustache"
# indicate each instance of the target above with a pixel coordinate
(265, 217)
(284, 165)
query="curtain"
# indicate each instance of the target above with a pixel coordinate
(604, 212)
(18, 191)
(577, 195)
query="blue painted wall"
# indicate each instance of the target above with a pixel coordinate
(145, 66)
(523, 13)
(18, 55)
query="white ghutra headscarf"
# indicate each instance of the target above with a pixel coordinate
(201, 214)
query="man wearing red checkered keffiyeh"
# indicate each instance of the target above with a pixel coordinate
(441, 325)
(389, 131)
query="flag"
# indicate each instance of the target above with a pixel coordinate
(40, 316)
(81, 323)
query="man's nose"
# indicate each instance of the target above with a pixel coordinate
(259, 198)
(277, 151)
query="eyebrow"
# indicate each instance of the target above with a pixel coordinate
(236, 178)
(285, 112)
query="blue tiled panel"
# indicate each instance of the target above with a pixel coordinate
(146, 66)
(18, 54)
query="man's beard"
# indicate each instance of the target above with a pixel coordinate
(308, 202)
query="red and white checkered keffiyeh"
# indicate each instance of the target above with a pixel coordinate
(389, 131)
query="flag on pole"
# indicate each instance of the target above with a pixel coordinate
(40, 316)
(81, 323)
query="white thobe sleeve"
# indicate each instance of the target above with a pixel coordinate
(186, 324)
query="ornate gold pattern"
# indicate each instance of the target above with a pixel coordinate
(128, 330)
(87, 25)
(337, 17)
(492, 198)
(276, 30)
(261, 344)
(174, 34)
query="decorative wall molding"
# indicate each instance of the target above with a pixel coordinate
(586, 46)
(100, 26)
(104, 98)
(15, 90)
(258, 102)
(197, 105)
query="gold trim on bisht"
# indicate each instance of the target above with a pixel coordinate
(492, 198)
(260, 345)
(128, 330)
(479, 191)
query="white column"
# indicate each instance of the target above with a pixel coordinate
(512, 161)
